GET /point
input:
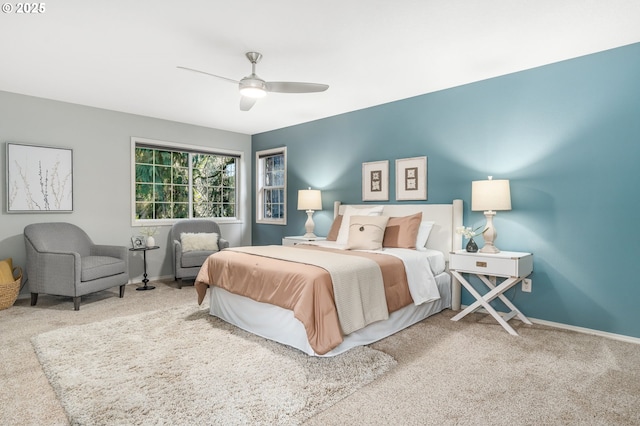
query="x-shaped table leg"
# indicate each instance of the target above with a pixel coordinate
(484, 301)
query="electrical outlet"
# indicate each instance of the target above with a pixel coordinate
(526, 285)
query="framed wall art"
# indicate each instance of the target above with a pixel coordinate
(39, 179)
(375, 181)
(411, 178)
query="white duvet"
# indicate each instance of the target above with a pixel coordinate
(421, 267)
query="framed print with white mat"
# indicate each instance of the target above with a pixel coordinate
(375, 181)
(411, 178)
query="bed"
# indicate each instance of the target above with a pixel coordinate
(241, 292)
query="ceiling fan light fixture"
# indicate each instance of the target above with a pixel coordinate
(253, 88)
(253, 92)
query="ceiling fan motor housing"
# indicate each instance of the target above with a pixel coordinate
(253, 87)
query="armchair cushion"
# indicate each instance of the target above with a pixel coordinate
(94, 267)
(195, 258)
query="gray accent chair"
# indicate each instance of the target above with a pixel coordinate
(62, 260)
(187, 264)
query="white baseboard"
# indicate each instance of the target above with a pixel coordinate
(614, 336)
(585, 330)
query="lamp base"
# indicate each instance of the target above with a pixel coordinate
(309, 225)
(490, 234)
(489, 248)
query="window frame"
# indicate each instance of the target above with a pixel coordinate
(260, 155)
(152, 143)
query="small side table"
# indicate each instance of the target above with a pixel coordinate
(144, 257)
(511, 265)
(292, 241)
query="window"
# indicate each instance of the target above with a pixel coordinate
(174, 181)
(271, 186)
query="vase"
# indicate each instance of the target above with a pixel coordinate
(472, 247)
(151, 242)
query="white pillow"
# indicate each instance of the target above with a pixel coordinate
(343, 233)
(192, 241)
(366, 232)
(423, 235)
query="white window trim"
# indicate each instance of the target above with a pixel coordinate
(179, 146)
(259, 183)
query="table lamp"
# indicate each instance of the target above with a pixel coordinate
(490, 196)
(309, 200)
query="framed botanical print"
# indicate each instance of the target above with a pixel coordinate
(411, 178)
(375, 181)
(39, 179)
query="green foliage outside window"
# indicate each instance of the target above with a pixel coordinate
(163, 187)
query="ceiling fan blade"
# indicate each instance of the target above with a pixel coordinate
(294, 87)
(246, 103)
(208, 73)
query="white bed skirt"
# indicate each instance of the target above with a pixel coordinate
(279, 324)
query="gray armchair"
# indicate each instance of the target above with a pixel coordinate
(62, 260)
(187, 264)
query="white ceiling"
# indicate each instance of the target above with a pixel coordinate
(122, 54)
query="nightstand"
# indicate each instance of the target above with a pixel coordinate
(292, 241)
(511, 265)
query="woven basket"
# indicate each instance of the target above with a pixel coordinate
(9, 291)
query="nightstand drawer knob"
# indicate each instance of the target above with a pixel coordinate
(481, 264)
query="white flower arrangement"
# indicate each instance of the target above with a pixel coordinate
(149, 231)
(468, 232)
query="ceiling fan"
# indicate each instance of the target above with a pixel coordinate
(253, 87)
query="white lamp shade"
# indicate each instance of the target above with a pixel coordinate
(488, 195)
(309, 199)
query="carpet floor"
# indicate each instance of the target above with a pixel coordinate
(469, 372)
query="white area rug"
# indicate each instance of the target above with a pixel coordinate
(183, 366)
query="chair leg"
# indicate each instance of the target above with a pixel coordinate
(76, 303)
(179, 281)
(34, 299)
(121, 291)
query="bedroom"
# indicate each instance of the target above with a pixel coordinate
(565, 134)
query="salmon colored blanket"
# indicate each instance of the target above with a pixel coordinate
(304, 289)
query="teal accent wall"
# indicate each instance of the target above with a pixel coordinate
(567, 136)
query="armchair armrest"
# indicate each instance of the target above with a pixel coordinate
(177, 251)
(60, 270)
(223, 244)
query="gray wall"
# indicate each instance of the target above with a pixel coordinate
(101, 143)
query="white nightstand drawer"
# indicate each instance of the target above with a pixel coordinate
(503, 264)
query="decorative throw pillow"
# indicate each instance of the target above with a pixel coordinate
(335, 227)
(423, 235)
(343, 233)
(402, 232)
(366, 232)
(203, 241)
(6, 271)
